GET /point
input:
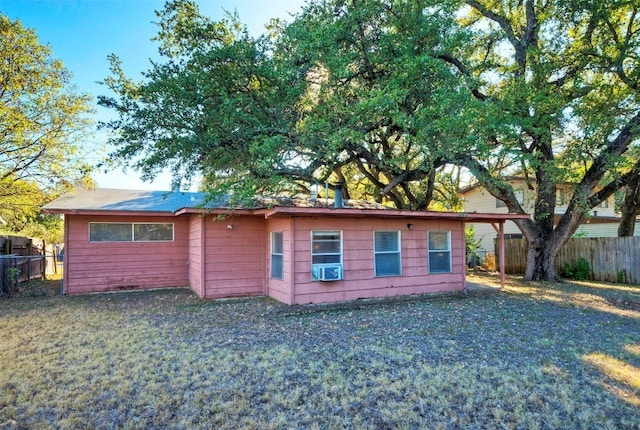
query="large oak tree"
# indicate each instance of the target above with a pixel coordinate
(339, 95)
(558, 82)
(384, 93)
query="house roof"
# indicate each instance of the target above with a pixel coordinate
(102, 201)
(170, 202)
(113, 200)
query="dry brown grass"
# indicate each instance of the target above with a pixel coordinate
(533, 356)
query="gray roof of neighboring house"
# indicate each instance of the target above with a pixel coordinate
(103, 199)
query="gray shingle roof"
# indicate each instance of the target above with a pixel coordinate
(104, 199)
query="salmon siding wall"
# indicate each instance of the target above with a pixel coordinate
(234, 257)
(358, 262)
(108, 266)
(196, 238)
(281, 289)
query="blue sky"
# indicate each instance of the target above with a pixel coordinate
(82, 33)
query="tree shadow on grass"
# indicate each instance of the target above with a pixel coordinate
(615, 371)
(618, 300)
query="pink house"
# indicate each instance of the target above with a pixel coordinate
(296, 251)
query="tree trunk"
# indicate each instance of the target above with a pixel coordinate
(630, 209)
(546, 244)
(541, 262)
(542, 247)
(627, 224)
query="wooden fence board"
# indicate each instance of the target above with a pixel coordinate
(611, 259)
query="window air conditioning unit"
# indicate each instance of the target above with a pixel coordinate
(330, 273)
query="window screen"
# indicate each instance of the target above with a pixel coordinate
(439, 252)
(130, 232)
(110, 232)
(152, 232)
(277, 268)
(326, 247)
(386, 250)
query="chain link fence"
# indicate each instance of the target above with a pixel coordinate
(20, 269)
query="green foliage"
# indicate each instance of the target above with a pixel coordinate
(580, 270)
(42, 119)
(557, 87)
(580, 233)
(382, 94)
(20, 211)
(622, 276)
(472, 244)
(43, 123)
(47, 227)
(306, 104)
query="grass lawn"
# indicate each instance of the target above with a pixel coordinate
(533, 355)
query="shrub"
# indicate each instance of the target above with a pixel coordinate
(580, 270)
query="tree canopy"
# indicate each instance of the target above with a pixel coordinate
(303, 104)
(386, 94)
(558, 82)
(42, 120)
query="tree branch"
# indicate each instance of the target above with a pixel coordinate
(465, 72)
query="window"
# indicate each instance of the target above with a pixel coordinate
(386, 253)
(152, 232)
(439, 251)
(326, 249)
(519, 198)
(110, 232)
(130, 232)
(277, 269)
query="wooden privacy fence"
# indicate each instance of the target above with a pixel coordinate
(611, 259)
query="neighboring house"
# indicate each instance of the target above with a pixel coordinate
(602, 222)
(294, 250)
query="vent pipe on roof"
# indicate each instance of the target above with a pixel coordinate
(337, 195)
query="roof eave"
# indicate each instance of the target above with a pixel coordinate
(98, 212)
(217, 211)
(390, 213)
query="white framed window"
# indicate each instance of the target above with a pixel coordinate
(439, 245)
(326, 251)
(130, 232)
(277, 255)
(386, 253)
